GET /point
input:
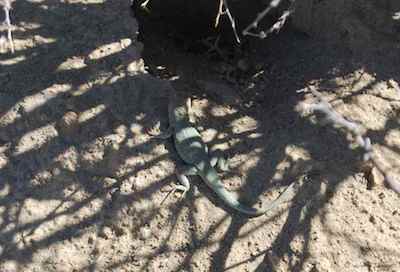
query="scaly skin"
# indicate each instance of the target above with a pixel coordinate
(193, 151)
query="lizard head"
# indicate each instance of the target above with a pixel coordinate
(177, 107)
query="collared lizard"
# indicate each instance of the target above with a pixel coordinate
(194, 152)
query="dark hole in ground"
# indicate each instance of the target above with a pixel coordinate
(172, 51)
(191, 24)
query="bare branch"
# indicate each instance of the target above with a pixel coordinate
(223, 9)
(144, 6)
(220, 12)
(7, 22)
(233, 23)
(356, 130)
(275, 27)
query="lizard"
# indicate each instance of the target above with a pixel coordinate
(194, 153)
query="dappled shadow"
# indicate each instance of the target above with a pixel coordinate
(96, 188)
(289, 62)
(58, 182)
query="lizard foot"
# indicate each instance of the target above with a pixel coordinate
(184, 185)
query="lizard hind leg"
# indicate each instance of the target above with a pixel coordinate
(218, 161)
(184, 185)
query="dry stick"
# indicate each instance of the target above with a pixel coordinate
(275, 27)
(233, 23)
(222, 10)
(144, 5)
(357, 130)
(7, 7)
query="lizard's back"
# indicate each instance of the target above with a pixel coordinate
(189, 144)
(188, 141)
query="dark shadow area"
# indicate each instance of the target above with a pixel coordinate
(94, 185)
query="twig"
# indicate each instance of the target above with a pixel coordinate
(7, 22)
(355, 129)
(144, 6)
(222, 10)
(275, 27)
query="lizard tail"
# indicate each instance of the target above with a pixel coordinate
(211, 178)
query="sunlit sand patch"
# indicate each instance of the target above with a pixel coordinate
(26, 26)
(39, 40)
(106, 50)
(243, 124)
(73, 63)
(32, 102)
(38, 210)
(12, 61)
(91, 113)
(34, 139)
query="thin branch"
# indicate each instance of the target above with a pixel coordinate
(223, 9)
(275, 27)
(220, 12)
(7, 22)
(144, 6)
(233, 23)
(355, 129)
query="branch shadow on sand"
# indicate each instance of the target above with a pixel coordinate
(90, 194)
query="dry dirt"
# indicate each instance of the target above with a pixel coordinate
(82, 182)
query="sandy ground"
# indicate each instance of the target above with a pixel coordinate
(82, 181)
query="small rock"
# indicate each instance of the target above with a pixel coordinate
(145, 233)
(125, 42)
(375, 178)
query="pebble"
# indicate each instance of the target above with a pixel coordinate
(145, 233)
